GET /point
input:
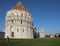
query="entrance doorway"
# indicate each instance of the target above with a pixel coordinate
(12, 34)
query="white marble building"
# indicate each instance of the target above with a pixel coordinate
(41, 33)
(18, 23)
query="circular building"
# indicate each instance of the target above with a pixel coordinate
(18, 23)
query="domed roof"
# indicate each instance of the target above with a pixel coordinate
(19, 6)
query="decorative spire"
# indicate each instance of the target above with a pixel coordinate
(19, 6)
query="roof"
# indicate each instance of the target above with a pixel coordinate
(19, 6)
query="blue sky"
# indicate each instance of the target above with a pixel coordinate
(45, 13)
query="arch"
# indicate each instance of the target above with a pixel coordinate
(12, 34)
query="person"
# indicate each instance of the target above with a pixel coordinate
(7, 40)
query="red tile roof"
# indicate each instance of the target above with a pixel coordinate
(19, 6)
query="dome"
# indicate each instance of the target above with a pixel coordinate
(19, 6)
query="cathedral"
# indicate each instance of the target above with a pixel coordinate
(19, 23)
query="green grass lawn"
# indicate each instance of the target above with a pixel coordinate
(30, 42)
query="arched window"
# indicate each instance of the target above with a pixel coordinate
(21, 15)
(12, 13)
(23, 30)
(17, 30)
(21, 21)
(12, 21)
